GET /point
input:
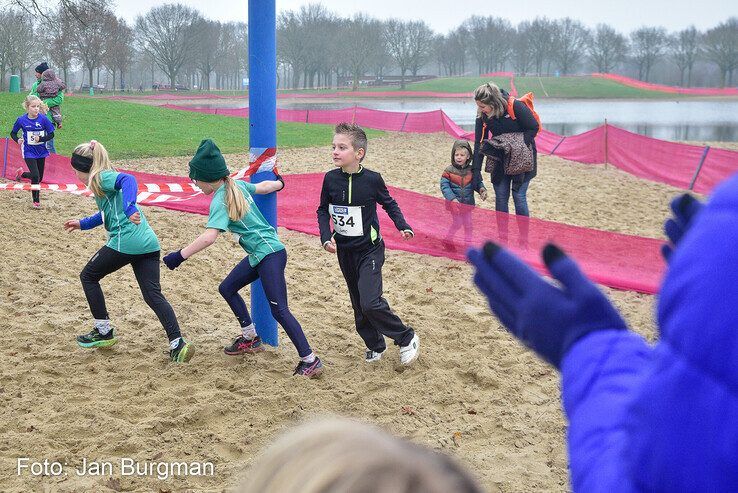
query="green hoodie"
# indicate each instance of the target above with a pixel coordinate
(57, 101)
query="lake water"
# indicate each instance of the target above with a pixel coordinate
(668, 120)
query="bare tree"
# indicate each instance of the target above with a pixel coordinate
(25, 47)
(227, 66)
(317, 26)
(399, 45)
(119, 49)
(408, 44)
(241, 31)
(450, 52)
(491, 41)
(290, 48)
(522, 49)
(607, 48)
(420, 45)
(476, 27)
(381, 58)
(90, 32)
(60, 40)
(458, 41)
(541, 35)
(206, 50)
(9, 22)
(357, 40)
(721, 47)
(165, 32)
(570, 40)
(648, 44)
(500, 36)
(684, 48)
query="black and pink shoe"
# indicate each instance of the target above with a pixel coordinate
(244, 346)
(18, 174)
(309, 370)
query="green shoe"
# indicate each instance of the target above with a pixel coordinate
(95, 339)
(183, 352)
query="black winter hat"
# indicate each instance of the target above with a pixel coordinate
(43, 66)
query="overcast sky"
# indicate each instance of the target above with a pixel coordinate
(444, 15)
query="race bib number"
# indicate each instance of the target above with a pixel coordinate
(347, 220)
(34, 137)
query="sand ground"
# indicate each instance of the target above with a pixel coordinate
(475, 393)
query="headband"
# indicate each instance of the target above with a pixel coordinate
(81, 163)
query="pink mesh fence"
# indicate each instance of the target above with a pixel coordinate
(442, 228)
(694, 91)
(685, 166)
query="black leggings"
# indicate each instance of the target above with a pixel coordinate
(145, 267)
(35, 174)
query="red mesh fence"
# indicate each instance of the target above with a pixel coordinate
(657, 160)
(443, 228)
(717, 165)
(676, 164)
(694, 91)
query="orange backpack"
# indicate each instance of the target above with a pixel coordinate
(527, 99)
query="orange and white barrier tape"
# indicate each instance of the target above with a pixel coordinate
(156, 192)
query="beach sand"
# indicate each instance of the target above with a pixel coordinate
(475, 393)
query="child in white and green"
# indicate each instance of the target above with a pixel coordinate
(233, 209)
(130, 241)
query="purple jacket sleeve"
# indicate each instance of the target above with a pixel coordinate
(14, 131)
(601, 376)
(91, 221)
(129, 188)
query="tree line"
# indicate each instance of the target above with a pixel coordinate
(313, 43)
(317, 48)
(170, 41)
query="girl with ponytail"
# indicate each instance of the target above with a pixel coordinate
(130, 241)
(233, 209)
(36, 129)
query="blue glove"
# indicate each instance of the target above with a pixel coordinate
(174, 259)
(547, 318)
(685, 208)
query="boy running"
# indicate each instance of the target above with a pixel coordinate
(348, 201)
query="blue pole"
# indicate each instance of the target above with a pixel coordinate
(263, 133)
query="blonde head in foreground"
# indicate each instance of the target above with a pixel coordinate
(340, 455)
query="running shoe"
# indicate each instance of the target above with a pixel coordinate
(409, 353)
(244, 346)
(183, 352)
(372, 356)
(309, 370)
(37, 205)
(19, 174)
(95, 339)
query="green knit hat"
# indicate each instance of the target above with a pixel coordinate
(208, 163)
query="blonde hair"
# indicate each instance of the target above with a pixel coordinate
(491, 95)
(339, 455)
(100, 162)
(43, 107)
(234, 200)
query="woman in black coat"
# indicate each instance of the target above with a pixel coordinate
(493, 119)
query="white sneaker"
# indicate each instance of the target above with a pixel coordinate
(410, 353)
(372, 356)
